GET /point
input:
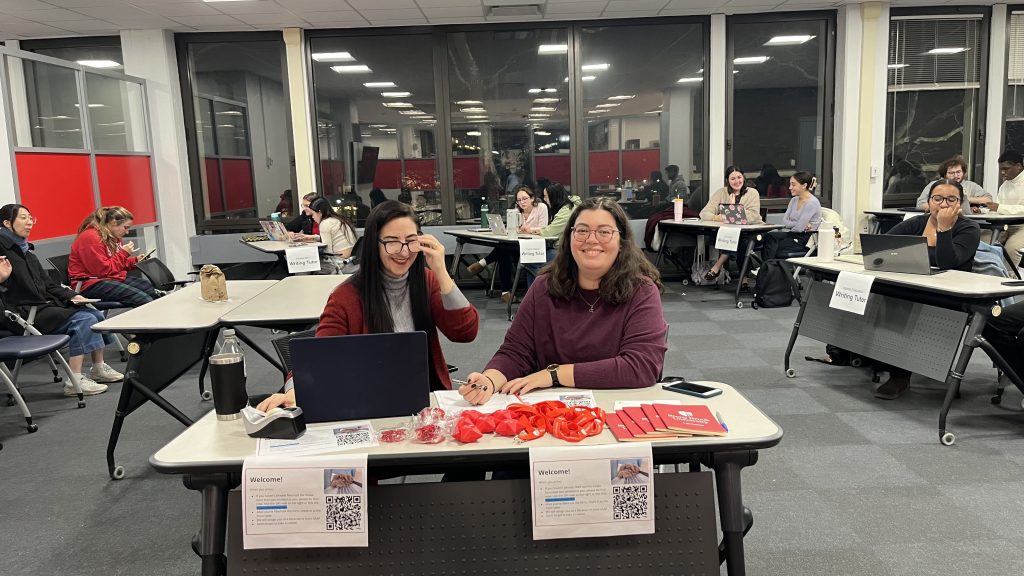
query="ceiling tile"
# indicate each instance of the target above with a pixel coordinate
(314, 5)
(25, 28)
(219, 28)
(151, 23)
(86, 25)
(461, 11)
(384, 4)
(394, 14)
(409, 22)
(182, 9)
(249, 8)
(343, 16)
(282, 20)
(44, 16)
(694, 4)
(79, 3)
(207, 21)
(447, 3)
(635, 5)
(345, 24)
(577, 7)
(10, 6)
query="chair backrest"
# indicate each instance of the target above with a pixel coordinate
(157, 272)
(60, 264)
(283, 346)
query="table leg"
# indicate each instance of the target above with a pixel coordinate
(457, 257)
(727, 467)
(796, 329)
(515, 285)
(273, 361)
(975, 325)
(209, 544)
(745, 268)
(665, 235)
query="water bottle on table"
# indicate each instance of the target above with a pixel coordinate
(228, 375)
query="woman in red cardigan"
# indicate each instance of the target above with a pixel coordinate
(100, 260)
(394, 291)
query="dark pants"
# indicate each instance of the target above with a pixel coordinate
(132, 292)
(507, 259)
(784, 244)
(1002, 331)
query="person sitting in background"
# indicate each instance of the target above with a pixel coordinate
(802, 218)
(535, 217)
(336, 232)
(561, 203)
(768, 183)
(593, 319)
(303, 223)
(657, 189)
(284, 206)
(100, 260)
(1011, 200)
(678, 187)
(361, 209)
(956, 169)
(377, 197)
(952, 243)
(402, 286)
(734, 192)
(59, 310)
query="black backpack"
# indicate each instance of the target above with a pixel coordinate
(774, 287)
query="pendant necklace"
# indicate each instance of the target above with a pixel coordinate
(591, 305)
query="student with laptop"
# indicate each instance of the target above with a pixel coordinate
(336, 231)
(737, 199)
(593, 318)
(395, 291)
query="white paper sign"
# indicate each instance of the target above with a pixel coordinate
(852, 292)
(585, 491)
(728, 238)
(572, 398)
(452, 401)
(302, 259)
(304, 502)
(533, 251)
(325, 438)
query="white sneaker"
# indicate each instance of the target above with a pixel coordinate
(89, 387)
(104, 373)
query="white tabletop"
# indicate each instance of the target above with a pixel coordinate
(219, 444)
(470, 235)
(298, 298)
(698, 224)
(183, 310)
(894, 212)
(278, 247)
(951, 282)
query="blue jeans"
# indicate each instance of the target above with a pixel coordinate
(79, 327)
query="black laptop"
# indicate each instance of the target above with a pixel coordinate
(361, 376)
(894, 253)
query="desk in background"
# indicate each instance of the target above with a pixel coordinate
(752, 233)
(278, 248)
(209, 454)
(929, 325)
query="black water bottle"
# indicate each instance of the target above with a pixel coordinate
(227, 375)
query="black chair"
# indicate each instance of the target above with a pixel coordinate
(60, 264)
(282, 345)
(159, 275)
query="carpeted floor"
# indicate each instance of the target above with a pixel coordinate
(857, 486)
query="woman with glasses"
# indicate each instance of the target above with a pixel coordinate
(562, 204)
(593, 318)
(535, 217)
(303, 224)
(100, 260)
(402, 286)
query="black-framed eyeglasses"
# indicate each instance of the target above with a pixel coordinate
(947, 199)
(395, 246)
(604, 234)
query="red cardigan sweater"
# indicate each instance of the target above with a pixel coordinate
(343, 315)
(91, 261)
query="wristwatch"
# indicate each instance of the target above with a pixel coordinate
(553, 370)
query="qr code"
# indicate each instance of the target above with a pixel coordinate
(629, 502)
(571, 400)
(344, 513)
(352, 438)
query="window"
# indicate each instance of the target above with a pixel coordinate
(238, 128)
(509, 92)
(933, 98)
(375, 112)
(782, 94)
(643, 95)
(1014, 131)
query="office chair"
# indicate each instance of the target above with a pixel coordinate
(282, 345)
(60, 264)
(159, 275)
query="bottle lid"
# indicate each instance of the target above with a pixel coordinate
(229, 332)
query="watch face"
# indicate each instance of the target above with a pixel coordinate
(552, 367)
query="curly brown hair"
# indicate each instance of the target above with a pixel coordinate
(630, 270)
(102, 219)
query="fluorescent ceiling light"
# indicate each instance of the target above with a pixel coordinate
(588, 78)
(551, 90)
(473, 133)
(542, 109)
(689, 80)
(472, 110)
(389, 130)
(542, 133)
(788, 40)
(93, 106)
(468, 102)
(99, 63)
(563, 138)
(476, 117)
(229, 113)
(602, 66)
(750, 60)
(378, 125)
(352, 69)
(545, 100)
(896, 66)
(946, 51)
(380, 84)
(110, 124)
(552, 49)
(412, 112)
(225, 125)
(396, 94)
(397, 104)
(622, 97)
(333, 57)
(609, 105)
(596, 111)
(537, 115)
(701, 71)
(534, 90)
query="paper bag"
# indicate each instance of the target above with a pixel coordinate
(211, 281)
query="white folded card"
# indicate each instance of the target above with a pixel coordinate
(533, 251)
(728, 238)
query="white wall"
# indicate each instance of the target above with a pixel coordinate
(646, 129)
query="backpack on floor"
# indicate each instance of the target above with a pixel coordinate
(774, 287)
(698, 271)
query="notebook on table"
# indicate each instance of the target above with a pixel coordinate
(893, 253)
(733, 213)
(357, 378)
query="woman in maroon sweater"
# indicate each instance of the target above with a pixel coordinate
(593, 319)
(394, 291)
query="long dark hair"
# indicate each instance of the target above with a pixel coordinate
(323, 207)
(370, 278)
(10, 212)
(807, 179)
(558, 197)
(630, 270)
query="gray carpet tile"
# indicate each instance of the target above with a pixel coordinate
(858, 486)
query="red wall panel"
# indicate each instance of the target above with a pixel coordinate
(214, 195)
(238, 188)
(638, 164)
(603, 167)
(466, 172)
(127, 181)
(388, 175)
(58, 190)
(555, 168)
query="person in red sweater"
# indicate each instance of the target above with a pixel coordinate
(394, 291)
(593, 318)
(100, 260)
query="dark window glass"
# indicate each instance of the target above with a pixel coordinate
(1015, 85)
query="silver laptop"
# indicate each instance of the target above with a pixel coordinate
(497, 226)
(890, 253)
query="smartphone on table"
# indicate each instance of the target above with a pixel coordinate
(680, 385)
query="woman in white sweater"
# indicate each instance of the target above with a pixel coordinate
(336, 232)
(735, 191)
